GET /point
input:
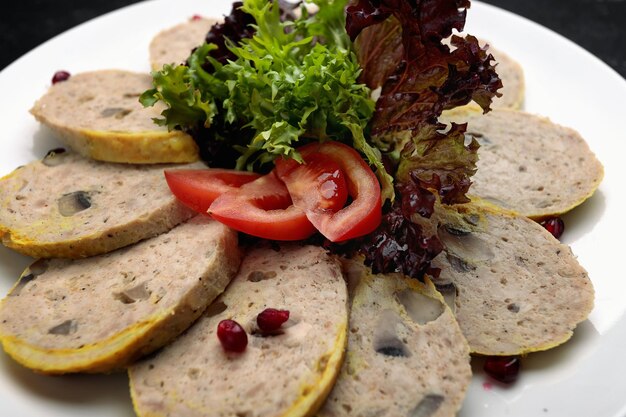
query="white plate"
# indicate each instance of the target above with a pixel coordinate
(585, 377)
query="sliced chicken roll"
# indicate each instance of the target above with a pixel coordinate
(513, 84)
(530, 165)
(514, 288)
(284, 373)
(98, 115)
(66, 206)
(99, 314)
(406, 354)
(174, 45)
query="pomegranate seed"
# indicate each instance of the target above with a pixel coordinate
(232, 336)
(60, 76)
(555, 226)
(196, 17)
(271, 319)
(502, 368)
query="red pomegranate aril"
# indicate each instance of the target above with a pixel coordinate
(502, 368)
(555, 226)
(60, 76)
(271, 319)
(232, 336)
(196, 17)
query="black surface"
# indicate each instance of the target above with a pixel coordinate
(599, 26)
(596, 25)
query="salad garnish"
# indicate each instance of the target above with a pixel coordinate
(272, 78)
(292, 82)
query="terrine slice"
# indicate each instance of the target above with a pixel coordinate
(99, 314)
(406, 354)
(98, 114)
(174, 45)
(67, 206)
(514, 288)
(529, 164)
(288, 373)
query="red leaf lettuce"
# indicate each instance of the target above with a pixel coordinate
(402, 47)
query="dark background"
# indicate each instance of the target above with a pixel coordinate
(596, 25)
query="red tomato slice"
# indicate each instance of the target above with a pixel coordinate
(320, 182)
(262, 208)
(361, 216)
(198, 188)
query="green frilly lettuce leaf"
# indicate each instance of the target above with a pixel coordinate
(291, 83)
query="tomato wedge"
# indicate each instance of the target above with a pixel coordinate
(320, 182)
(360, 217)
(262, 208)
(198, 188)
